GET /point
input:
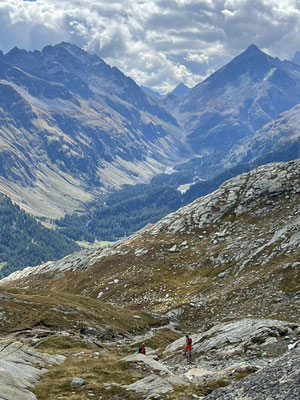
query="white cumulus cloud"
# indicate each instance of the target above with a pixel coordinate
(159, 43)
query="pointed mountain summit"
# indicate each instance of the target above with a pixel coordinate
(235, 101)
(180, 89)
(251, 50)
(252, 61)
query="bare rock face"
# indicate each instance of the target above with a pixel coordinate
(240, 194)
(277, 381)
(21, 368)
(226, 353)
(151, 385)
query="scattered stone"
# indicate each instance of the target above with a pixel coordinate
(223, 274)
(77, 382)
(173, 249)
(140, 252)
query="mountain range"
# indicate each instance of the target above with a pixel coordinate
(234, 103)
(73, 128)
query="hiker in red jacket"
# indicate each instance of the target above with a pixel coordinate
(142, 349)
(188, 346)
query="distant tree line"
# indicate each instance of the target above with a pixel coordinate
(125, 212)
(134, 206)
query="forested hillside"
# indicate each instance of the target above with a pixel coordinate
(125, 212)
(134, 206)
(26, 242)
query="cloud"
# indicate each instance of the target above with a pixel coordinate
(159, 43)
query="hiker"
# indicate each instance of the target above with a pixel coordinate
(188, 346)
(142, 349)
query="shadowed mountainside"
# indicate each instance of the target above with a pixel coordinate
(73, 128)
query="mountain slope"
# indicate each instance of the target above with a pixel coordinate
(224, 268)
(24, 241)
(208, 259)
(280, 136)
(73, 127)
(235, 101)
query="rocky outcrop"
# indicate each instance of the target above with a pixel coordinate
(265, 350)
(239, 195)
(148, 362)
(21, 368)
(151, 385)
(79, 261)
(277, 381)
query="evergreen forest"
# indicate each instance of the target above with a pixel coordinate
(25, 241)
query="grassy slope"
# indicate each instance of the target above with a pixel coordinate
(29, 309)
(160, 280)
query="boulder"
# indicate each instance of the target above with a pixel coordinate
(151, 385)
(77, 382)
(149, 362)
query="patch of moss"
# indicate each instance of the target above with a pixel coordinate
(61, 344)
(242, 375)
(258, 340)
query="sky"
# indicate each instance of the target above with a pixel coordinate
(158, 43)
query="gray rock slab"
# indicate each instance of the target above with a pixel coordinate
(153, 364)
(178, 380)
(21, 368)
(278, 381)
(151, 385)
(240, 331)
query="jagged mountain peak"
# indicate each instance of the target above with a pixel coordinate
(252, 61)
(180, 89)
(237, 100)
(71, 50)
(252, 50)
(101, 114)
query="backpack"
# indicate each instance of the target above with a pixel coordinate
(190, 340)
